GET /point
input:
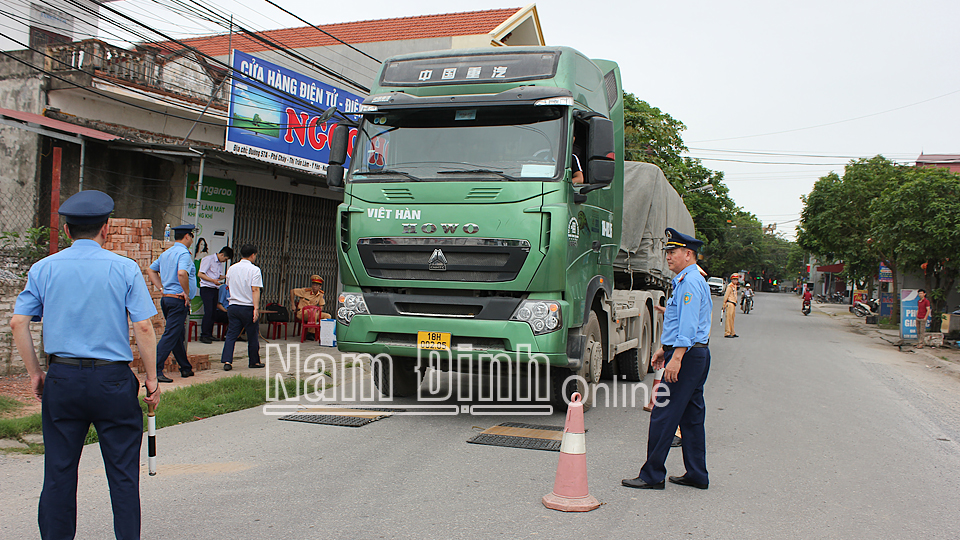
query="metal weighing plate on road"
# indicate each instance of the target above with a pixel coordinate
(518, 435)
(332, 416)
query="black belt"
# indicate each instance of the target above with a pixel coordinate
(82, 362)
(695, 346)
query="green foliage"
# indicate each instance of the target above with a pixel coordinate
(653, 136)
(920, 218)
(31, 245)
(904, 217)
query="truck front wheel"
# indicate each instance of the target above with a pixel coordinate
(635, 362)
(397, 377)
(562, 386)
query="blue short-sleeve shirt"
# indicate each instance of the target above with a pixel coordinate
(224, 296)
(170, 263)
(689, 310)
(84, 295)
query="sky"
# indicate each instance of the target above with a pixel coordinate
(773, 94)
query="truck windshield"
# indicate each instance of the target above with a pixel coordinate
(507, 143)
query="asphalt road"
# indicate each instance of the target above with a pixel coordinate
(812, 431)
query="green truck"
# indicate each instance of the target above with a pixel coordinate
(466, 231)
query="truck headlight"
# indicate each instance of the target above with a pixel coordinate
(348, 305)
(543, 316)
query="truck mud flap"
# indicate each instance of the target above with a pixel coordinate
(576, 343)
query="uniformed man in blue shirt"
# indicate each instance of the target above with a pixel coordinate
(85, 295)
(686, 332)
(175, 274)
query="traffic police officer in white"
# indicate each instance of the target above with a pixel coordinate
(686, 332)
(85, 295)
(175, 274)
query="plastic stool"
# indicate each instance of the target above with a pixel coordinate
(275, 327)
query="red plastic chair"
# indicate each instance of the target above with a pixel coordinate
(192, 331)
(275, 327)
(310, 318)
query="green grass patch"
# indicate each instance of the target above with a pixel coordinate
(178, 406)
(8, 404)
(12, 428)
(204, 400)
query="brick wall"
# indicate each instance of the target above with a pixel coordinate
(10, 360)
(131, 238)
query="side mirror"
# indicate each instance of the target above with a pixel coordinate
(338, 146)
(600, 172)
(335, 177)
(601, 152)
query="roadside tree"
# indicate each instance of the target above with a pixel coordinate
(920, 218)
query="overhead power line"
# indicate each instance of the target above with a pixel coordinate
(252, 34)
(832, 123)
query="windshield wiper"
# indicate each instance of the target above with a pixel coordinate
(479, 171)
(388, 171)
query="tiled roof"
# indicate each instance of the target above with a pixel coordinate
(938, 158)
(421, 27)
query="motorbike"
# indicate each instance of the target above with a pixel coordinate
(806, 307)
(862, 309)
(746, 304)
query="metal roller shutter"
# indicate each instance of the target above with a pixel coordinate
(295, 237)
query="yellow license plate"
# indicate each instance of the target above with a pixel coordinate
(433, 341)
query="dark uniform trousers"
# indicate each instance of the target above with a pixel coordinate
(175, 312)
(241, 318)
(73, 398)
(209, 295)
(685, 408)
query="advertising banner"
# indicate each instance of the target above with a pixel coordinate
(215, 221)
(908, 313)
(859, 295)
(886, 304)
(886, 275)
(274, 115)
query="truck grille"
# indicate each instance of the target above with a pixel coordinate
(443, 259)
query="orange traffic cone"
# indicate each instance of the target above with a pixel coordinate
(570, 492)
(657, 377)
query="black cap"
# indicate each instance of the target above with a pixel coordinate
(87, 207)
(185, 228)
(677, 239)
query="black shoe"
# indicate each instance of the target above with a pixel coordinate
(731, 336)
(186, 373)
(637, 483)
(677, 442)
(734, 335)
(227, 366)
(163, 378)
(205, 339)
(257, 365)
(683, 481)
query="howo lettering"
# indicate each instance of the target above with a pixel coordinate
(507, 256)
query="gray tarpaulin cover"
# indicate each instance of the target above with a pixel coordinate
(650, 205)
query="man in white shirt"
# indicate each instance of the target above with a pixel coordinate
(244, 281)
(211, 277)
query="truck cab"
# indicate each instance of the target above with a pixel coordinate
(461, 230)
